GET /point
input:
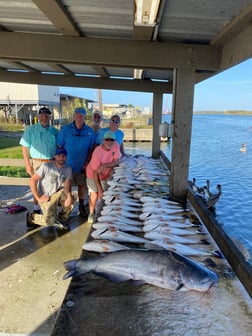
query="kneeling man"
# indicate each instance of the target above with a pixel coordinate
(51, 187)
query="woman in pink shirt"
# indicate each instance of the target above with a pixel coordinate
(99, 170)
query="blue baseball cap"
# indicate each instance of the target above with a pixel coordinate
(60, 151)
(80, 110)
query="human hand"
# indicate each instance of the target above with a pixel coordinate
(43, 198)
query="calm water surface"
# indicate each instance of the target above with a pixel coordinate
(215, 155)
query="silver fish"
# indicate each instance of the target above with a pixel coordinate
(182, 249)
(117, 226)
(154, 235)
(172, 230)
(118, 219)
(103, 246)
(117, 236)
(164, 269)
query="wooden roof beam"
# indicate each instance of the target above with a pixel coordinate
(107, 52)
(57, 13)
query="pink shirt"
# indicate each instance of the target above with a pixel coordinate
(101, 156)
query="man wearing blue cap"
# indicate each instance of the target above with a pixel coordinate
(51, 187)
(78, 139)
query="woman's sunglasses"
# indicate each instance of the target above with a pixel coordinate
(115, 121)
(109, 139)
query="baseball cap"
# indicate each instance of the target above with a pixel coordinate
(99, 113)
(80, 110)
(109, 135)
(60, 151)
(44, 110)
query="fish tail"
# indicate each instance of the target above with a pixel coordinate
(70, 266)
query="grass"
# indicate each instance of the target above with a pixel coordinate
(10, 149)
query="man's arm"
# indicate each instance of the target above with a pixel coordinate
(26, 156)
(68, 192)
(111, 164)
(34, 189)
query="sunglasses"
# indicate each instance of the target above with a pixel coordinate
(109, 139)
(115, 121)
(97, 116)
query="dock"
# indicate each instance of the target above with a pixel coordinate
(36, 301)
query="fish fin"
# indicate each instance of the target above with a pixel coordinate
(70, 266)
(69, 274)
(218, 254)
(137, 282)
(115, 277)
(180, 286)
(205, 241)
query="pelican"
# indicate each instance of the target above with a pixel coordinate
(193, 185)
(214, 198)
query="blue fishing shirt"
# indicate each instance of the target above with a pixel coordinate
(78, 143)
(41, 141)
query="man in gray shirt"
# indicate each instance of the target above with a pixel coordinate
(51, 187)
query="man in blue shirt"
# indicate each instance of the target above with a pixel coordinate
(78, 140)
(113, 127)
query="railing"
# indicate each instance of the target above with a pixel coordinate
(4, 180)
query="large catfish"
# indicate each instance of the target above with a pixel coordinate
(164, 269)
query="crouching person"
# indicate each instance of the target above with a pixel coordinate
(104, 158)
(51, 187)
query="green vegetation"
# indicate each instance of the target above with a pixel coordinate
(10, 149)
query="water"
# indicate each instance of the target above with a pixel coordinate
(215, 155)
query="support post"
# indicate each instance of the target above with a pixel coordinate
(183, 93)
(157, 119)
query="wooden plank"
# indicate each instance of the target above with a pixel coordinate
(241, 267)
(14, 181)
(12, 162)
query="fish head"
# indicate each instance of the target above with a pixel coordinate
(200, 279)
(194, 276)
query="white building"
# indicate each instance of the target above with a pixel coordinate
(21, 102)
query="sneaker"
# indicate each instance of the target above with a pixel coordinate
(62, 226)
(82, 210)
(91, 218)
(29, 222)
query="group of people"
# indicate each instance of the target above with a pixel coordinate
(77, 155)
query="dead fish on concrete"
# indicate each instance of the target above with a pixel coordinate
(154, 235)
(171, 230)
(185, 250)
(103, 245)
(117, 236)
(117, 226)
(118, 219)
(164, 269)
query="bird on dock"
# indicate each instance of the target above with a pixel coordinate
(194, 187)
(214, 198)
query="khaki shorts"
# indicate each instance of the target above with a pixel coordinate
(36, 163)
(92, 186)
(79, 179)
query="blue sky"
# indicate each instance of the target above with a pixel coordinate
(229, 90)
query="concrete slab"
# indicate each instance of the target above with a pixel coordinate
(31, 263)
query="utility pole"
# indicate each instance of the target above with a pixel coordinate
(100, 99)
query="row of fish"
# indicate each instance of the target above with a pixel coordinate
(146, 237)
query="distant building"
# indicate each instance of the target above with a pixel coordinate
(110, 109)
(21, 102)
